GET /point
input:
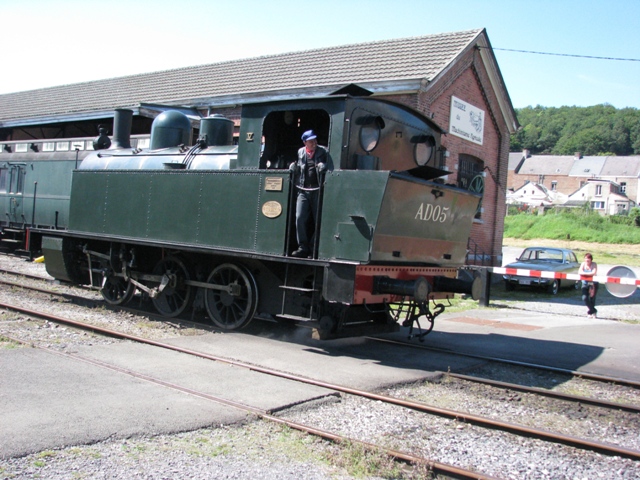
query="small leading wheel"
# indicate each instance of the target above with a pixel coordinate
(116, 290)
(233, 308)
(176, 294)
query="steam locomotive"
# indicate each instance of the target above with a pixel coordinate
(211, 226)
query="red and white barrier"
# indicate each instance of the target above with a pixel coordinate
(566, 276)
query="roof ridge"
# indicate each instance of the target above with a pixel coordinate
(258, 58)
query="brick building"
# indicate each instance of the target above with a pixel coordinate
(452, 77)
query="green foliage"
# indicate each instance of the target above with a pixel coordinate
(577, 225)
(596, 130)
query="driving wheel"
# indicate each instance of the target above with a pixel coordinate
(116, 290)
(235, 306)
(176, 294)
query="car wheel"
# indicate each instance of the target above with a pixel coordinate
(554, 287)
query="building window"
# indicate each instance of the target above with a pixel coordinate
(598, 190)
(554, 186)
(471, 177)
(597, 205)
(623, 187)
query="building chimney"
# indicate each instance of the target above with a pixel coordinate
(578, 155)
(526, 153)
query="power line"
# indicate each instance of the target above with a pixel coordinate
(569, 55)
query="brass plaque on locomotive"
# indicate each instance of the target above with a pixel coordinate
(271, 209)
(273, 184)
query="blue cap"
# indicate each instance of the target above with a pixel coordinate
(308, 135)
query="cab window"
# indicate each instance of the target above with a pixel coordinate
(282, 132)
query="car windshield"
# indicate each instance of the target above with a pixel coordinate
(542, 254)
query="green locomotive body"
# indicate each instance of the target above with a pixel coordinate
(212, 226)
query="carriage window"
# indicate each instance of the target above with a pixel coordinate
(282, 131)
(19, 180)
(4, 173)
(15, 179)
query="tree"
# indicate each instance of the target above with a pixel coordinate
(596, 130)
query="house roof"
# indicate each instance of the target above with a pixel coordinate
(547, 165)
(587, 167)
(621, 167)
(389, 66)
(514, 159)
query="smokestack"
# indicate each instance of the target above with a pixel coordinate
(122, 119)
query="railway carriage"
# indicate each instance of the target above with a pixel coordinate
(34, 189)
(211, 226)
(35, 185)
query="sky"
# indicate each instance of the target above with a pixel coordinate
(50, 43)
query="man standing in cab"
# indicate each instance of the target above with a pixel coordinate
(308, 173)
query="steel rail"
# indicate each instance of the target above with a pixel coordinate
(437, 467)
(575, 373)
(495, 383)
(547, 393)
(80, 300)
(27, 275)
(512, 386)
(460, 416)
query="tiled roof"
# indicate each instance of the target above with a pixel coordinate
(547, 165)
(382, 61)
(587, 167)
(514, 159)
(621, 167)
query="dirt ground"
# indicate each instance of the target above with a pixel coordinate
(611, 248)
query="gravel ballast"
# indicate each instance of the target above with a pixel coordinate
(261, 449)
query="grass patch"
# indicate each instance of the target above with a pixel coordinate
(8, 344)
(569, 225)
(610, 240)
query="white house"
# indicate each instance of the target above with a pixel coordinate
(535, 195)
(604, 197)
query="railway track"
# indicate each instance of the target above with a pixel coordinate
(436, 467)
(416, 406)
(512, 386)
(457, 415)
(505, 361)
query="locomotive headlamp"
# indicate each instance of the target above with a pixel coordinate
(370, 132)
(424, 149)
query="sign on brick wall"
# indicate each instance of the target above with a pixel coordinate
(466, 121)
